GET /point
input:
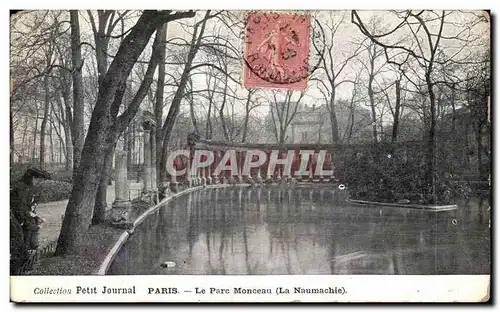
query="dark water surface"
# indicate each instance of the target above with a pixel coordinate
(304, 231)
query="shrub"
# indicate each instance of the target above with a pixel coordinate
(17, 171)
(50, 190)
(388, 173)
(62, 175)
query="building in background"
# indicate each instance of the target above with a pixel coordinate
(311, 124)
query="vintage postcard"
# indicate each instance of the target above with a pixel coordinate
(250, 156)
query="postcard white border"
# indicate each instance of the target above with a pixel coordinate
(261, 288)
(230, 4)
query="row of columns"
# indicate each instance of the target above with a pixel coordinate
(207, 175)
(121, 206)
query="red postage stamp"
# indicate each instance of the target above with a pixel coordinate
(276, 51)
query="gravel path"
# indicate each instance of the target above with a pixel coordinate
(54, 211)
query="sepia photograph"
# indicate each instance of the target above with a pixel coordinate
(248, 144)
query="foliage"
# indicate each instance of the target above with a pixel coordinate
(62, 175)
(395, 173)
(50, 190)
(17, 171)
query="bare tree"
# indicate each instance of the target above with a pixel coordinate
(332, 66)
(427, 29)
(250, 104)
(282, 113)
(168, 124)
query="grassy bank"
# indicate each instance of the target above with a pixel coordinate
(95, 245)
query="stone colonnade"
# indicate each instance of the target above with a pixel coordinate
(203, 176)
(122, 206)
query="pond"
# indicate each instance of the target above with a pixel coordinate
(272, 230)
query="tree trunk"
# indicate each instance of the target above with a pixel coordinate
(133, 146)
(24, 138)
(77, 132)
(247, 116)
(51, 144)
(479, 145)
(67, 121)
(431, 144)
(221, 111)
(453, 112)
(351, 121)
(101, 202)
(69, 147)
(372, 106)
(43, 127)
(87, 176)
(119, 127)
(128, 145)
(333, 119)
(12, 138)
(192, 110)
(395, 124)
(176, 102)
(208, 125)
(245, 126)
(162, 35)
(61, 149)
(34, 135)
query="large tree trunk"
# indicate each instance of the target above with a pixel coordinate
(79, 211)
(77, 132)
(43, 127)
(162, 35)
(101, 203)
(11, 121)
(121, 124)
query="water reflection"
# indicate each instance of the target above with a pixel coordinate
(304, 231)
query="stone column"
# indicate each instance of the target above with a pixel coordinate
(174, 185)
(208, 175)
(189, 176)
(241, 165)
(215, 177)
(121, 206)
(203, 181)
(154, 186)
(146, 190)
